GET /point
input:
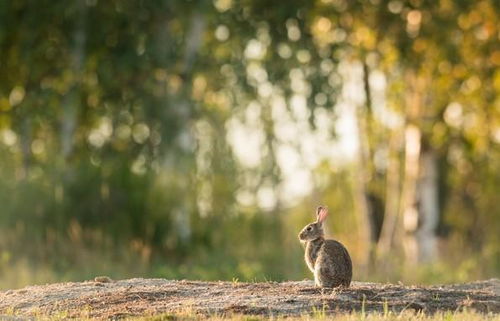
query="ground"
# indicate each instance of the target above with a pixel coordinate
(103, 298)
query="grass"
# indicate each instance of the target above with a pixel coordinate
(314, 316)
(319, 315)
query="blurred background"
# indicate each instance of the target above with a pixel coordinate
(194, 139)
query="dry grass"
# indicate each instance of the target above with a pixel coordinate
(320, 315)
(313, 316)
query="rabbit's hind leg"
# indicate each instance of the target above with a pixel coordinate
(324, 276)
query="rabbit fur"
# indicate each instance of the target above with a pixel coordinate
(328, 260)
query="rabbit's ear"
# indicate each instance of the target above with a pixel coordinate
(321, 214)
(318, 210)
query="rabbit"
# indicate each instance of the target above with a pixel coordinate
(328, 260)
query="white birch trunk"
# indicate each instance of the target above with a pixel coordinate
(428, 208)
(409, 194)
(420, 206)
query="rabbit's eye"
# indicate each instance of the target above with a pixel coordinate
(309, 228)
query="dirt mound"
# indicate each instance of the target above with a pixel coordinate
(106, 299)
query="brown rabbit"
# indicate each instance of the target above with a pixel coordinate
(328, 260)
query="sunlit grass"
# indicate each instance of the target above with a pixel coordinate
(20, 273)
(314, 316)
(76, 261)
(406, 316)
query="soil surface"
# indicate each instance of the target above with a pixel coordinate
(103, 298)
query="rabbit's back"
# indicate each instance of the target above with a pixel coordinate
(333, 266)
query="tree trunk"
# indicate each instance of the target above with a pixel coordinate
(392, 198)
(409, 193)
(72, 99)
(363, 208)
(193, 42)
(25, 142)
(420, 208)
(364, 174)
(428, 207)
